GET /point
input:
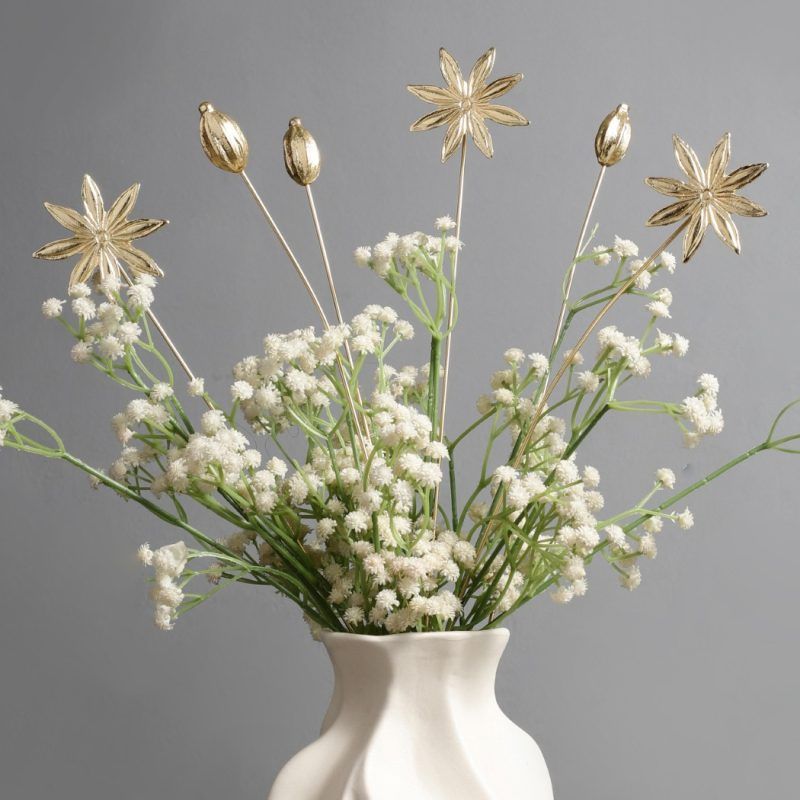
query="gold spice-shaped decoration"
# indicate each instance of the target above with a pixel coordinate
(708, 196)
(613, 137)
(102, 237)
(300, 153)
(464, 104)
(222, 139)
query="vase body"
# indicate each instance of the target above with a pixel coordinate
(414, 715)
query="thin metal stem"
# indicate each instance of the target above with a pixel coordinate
(451, 305)
(288, 250)
(165, 336)
(335, 298)
(311, 293)
(578, 248)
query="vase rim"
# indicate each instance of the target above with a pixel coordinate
(426, 635)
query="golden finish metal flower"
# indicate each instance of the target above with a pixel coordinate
(463, 105)
(709, 196)
(102, 238)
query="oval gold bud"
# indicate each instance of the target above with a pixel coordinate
(613, 137)
(300, 153)
(222, 139)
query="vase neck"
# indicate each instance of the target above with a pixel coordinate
(426, 668)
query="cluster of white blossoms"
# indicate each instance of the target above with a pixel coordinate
(702, 412)
(169, 562)
(347, 529)
(384, 564)
(8, 410)
(400, 260)
(106, 328)
(296, 377)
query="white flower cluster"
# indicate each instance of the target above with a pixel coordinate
(625, 548)
(396, 257)
(295, 375)
(702, 412)
(405, 586)
(624, 250)
(346, 529)
(107, 328)
(616, 346)
(8, 409)
(169, 562)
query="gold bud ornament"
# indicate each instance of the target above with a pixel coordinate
(222, 139)
(300, 153)
(613, 137)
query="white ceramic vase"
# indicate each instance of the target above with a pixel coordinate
(414, 716)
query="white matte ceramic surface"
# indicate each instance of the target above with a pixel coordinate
(414, 717)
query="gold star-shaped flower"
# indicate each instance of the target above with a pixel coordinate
(102, 238)
(465, 104)
(709, 196)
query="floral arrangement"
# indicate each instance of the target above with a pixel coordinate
(365, 526)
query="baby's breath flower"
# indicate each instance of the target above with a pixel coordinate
(591, 476)
(84, 308)
(128, 333)
(445, 224)
(110, 347)
(404, 330)
(625, 248)
(452, 244)
(145, 554)
(658, 309)
(680, 345)
(588, 381)
(602, 256)
(539, 364)
(81, 352)
(668, 261)
(632, 578)
(241, 390)
(52, 308)
(563, 594)
(666, 477)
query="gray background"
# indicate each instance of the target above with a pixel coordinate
(687, 687)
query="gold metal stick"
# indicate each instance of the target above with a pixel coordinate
(288, 250)
(312, 294)
(167, 340)
(451, 305)
(578, 248)
(337, 308)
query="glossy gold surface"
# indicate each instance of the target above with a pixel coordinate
(102, 238)
(222, 139)
(464, 105)
(613, 137)
(300, 153)
(708, 196)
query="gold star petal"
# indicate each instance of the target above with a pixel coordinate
(708, 197)
(102, 238)
(463, 105)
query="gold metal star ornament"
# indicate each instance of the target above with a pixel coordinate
(102, 238)
(465, 104)
(708, 197)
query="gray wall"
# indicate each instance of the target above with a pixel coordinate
(689, 686)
